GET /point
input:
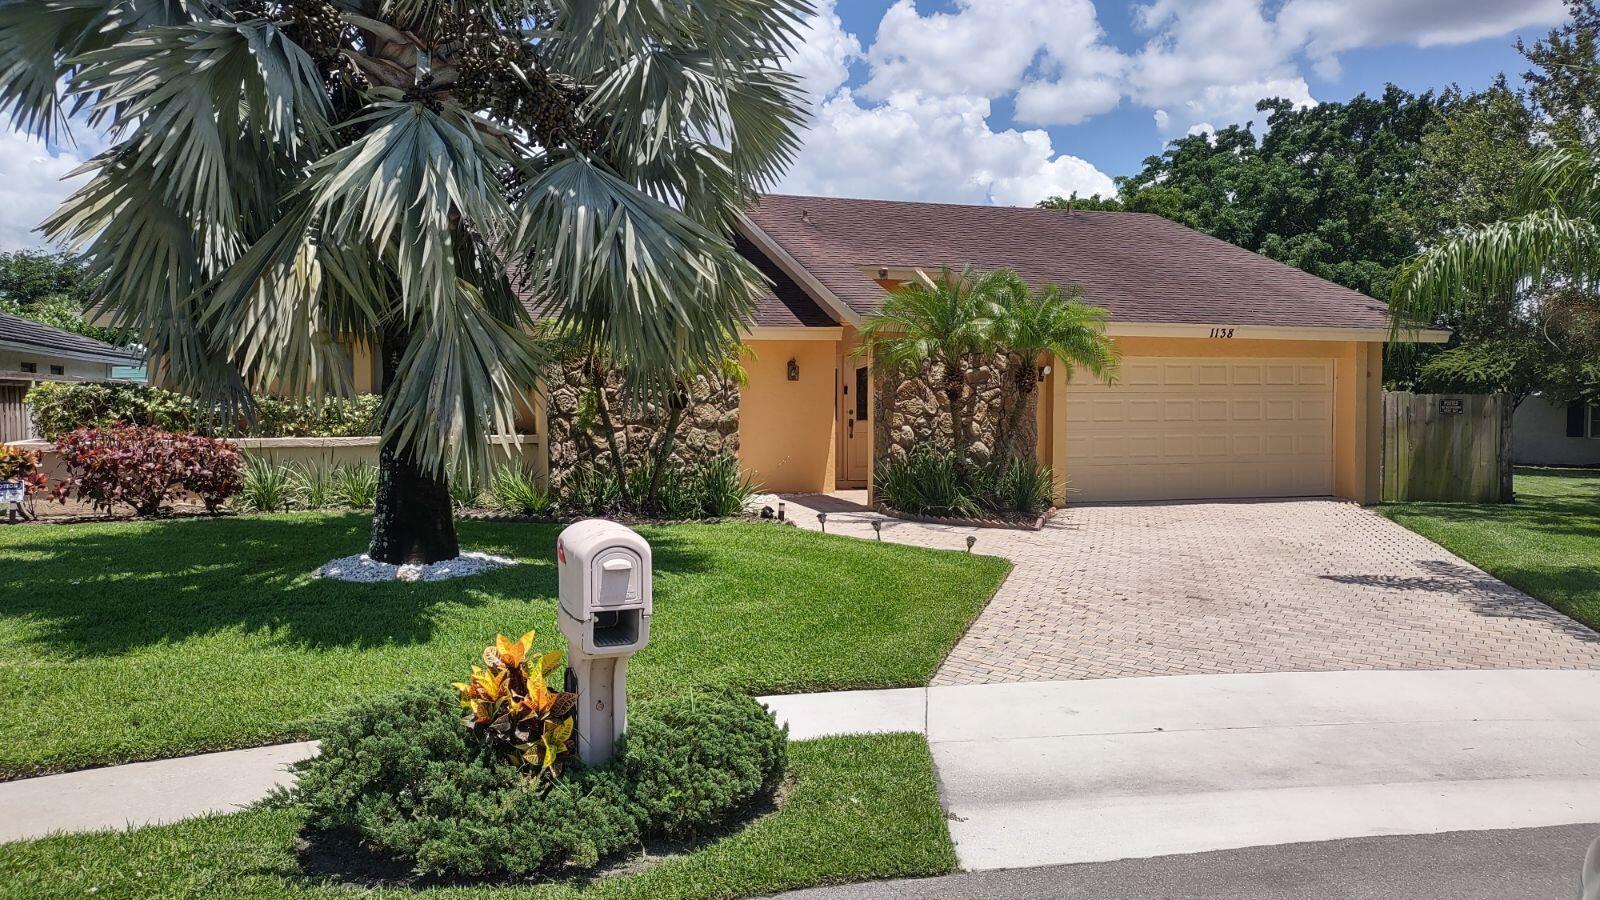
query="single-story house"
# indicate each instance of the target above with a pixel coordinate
(1544, 433)
(31, 352)
(1240, 376)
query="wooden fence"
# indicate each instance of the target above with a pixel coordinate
(1454, 448)
(14, 423)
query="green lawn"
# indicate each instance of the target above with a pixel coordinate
(860, 808)
(137, 640)
(1547, 543)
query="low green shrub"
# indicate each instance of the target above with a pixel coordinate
(326, 417)
(692, 761)
(271, 487)
(724, 490)
(925, 482)
(355, 487)
(930, 482)
(266, 486)
(515, 490)
(312, 484)
(1020, 487)
(591, 491)
(409, 779)
(713, 489)
(60, 407)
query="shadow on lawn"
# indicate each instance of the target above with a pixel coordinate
(1573, 508)
(109, 589)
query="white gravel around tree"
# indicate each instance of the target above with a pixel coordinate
(364, 568)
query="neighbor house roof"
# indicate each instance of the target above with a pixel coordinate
(28, 336)
(1142, 267)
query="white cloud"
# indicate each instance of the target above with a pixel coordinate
(823, 55)
(928, 142)
(1326, 28)
(33, 188)
(916, 147)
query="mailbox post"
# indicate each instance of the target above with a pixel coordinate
(605, 613)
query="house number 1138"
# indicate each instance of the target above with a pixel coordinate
(1222, 332)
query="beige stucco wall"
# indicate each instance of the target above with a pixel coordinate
(11, 364)
(1357, 400)
(787, 439)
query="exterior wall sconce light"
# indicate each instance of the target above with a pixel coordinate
(794, 370)
(883, 273)
(1044, 372)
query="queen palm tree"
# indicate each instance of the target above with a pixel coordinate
(1555, 237)
(285, 175)
(1033, 326)
(938, 323)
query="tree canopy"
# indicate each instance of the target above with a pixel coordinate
(1353, 191)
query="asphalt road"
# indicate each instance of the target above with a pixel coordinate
(1521, 864)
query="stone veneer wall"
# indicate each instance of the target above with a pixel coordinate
(710, 426)
(910, 410)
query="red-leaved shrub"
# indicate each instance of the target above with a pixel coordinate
(143, 467)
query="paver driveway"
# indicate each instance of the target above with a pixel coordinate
(1195, 588)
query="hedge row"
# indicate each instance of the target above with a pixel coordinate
(61, 407)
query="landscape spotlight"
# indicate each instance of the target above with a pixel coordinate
(822, 519)
(970, 541)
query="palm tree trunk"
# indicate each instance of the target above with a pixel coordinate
(602, 407)
(1024, 383)
(663, 453)
(952, 402)
(413, 521)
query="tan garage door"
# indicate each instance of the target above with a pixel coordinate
(1178, 429)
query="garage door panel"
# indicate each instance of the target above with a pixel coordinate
(1180, 428)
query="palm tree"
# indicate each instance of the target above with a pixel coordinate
(1032, 326)
(935, 323)
(1555, 236)
(285, 173)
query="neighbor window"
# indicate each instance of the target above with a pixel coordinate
(1594, 420)
(30, 367)
(58, 370)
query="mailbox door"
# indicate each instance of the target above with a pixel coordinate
(618, 578)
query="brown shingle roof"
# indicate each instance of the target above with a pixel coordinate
(1142, 267)
(784, 303)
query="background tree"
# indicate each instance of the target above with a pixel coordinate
(1323, 188)
(52, 288)
(286, 172)
(1031, 326)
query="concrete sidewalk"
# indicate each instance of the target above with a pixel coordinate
(1045, 773)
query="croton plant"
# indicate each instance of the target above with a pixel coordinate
(512, 708)
(19, 466)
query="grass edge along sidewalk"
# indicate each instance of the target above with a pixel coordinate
(857, 808)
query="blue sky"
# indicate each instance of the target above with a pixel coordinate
(1011, 101)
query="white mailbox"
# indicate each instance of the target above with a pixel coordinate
(605, 613)
(605, 588)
